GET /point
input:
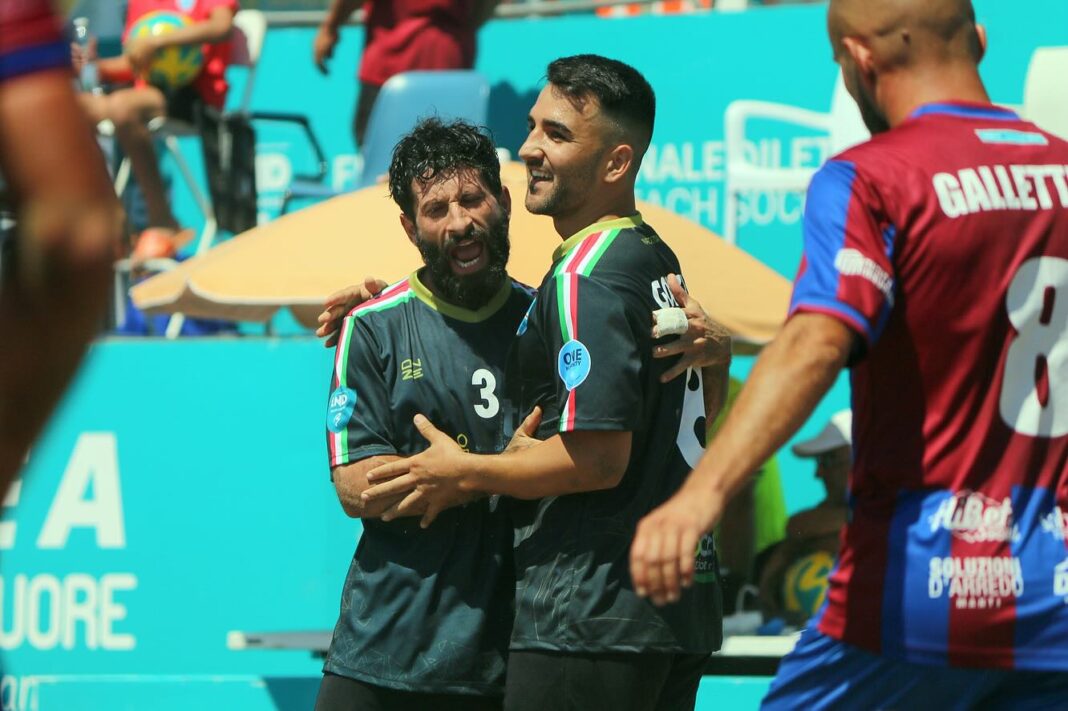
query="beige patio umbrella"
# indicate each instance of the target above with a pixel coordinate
(297, 260)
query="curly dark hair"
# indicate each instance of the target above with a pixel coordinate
(622, 92)
(435, 150)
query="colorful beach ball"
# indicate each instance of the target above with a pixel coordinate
(172, 67)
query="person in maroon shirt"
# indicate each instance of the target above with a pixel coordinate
(401, 36)
(936, 268)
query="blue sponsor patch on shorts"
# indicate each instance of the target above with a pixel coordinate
(339, 411)
(573, 364)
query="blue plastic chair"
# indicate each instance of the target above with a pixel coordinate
(403, 100)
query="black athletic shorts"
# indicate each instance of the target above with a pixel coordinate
(340, 693)
(552, 681)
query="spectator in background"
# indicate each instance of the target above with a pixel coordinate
(753, 522)
(130, 109)
(401, 36)
(155, 245)
(53, 297)
(812, 533)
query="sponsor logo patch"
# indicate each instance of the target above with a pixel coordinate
(411, 368)
(1060, 579)
(339, 411)
(852, 262)
(573, 364)
(1055, 523)
(975, 582)
(705, 568)
(975, 518)
(1011, 137)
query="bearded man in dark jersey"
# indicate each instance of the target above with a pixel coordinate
(426, 613)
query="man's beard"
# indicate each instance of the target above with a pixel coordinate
(873, 117)
(568, 192)
(474, 290)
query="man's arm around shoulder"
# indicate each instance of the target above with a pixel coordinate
(567, 463)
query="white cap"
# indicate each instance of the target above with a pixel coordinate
(837, 433)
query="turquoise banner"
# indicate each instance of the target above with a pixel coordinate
(181, 493)
(697, 64)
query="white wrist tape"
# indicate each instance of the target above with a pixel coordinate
(669, 322)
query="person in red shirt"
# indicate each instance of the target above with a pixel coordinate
(401, 36)
(130, 109)
(936, 268)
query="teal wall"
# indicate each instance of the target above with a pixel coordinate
(195, 485)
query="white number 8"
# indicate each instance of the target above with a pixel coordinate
(1038, 308)
(489, 406)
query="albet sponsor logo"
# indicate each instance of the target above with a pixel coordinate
(1055, 523)
(975, 518)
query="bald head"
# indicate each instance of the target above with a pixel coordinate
(905, 33)
(898, 54)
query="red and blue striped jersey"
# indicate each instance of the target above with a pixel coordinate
(944, 244)
(31, 39)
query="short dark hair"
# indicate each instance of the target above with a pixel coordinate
(622, 92)
(435, 150)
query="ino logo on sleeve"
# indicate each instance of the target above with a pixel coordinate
(573, 364)
(339, 411)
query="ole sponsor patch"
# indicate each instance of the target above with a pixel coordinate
(573, 364)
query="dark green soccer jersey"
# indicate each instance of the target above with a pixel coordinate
(584, 353)
(425, 610)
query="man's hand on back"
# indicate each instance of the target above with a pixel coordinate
(340, 303)
(433, 476)
(705, 343)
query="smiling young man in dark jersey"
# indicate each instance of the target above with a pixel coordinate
(426, 613)
(617, 441)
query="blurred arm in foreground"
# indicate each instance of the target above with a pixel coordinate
(68, 222)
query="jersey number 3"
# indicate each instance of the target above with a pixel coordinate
(1034, 393)
(488, 406)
